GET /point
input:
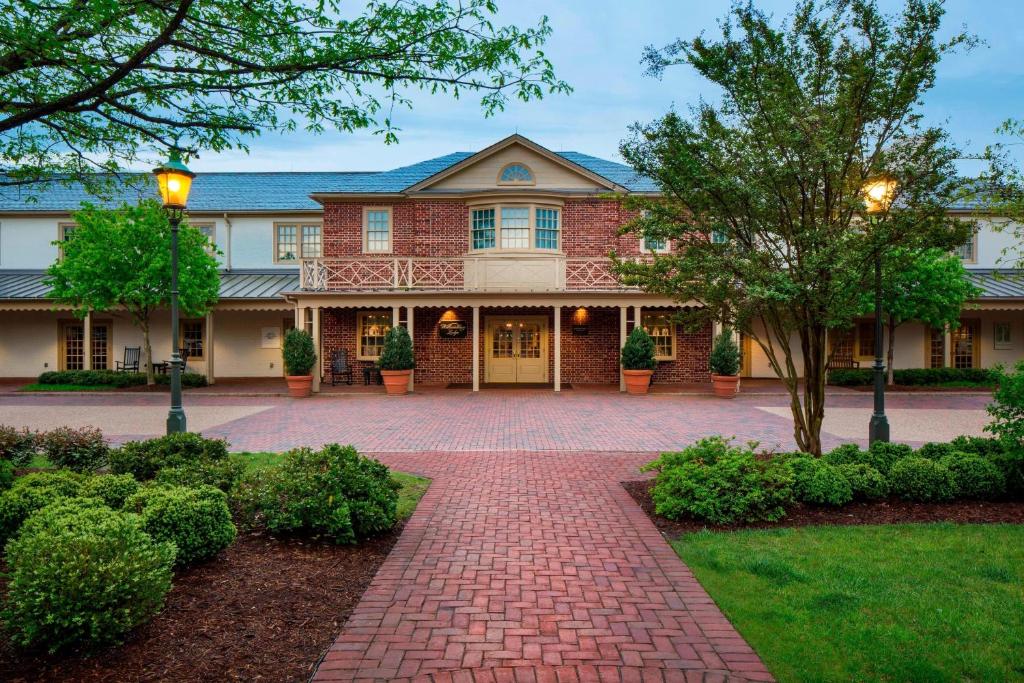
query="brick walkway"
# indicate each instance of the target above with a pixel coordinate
(534, 567)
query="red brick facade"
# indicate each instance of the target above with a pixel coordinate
(439, 228)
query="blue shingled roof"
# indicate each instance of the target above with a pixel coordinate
(285, 191)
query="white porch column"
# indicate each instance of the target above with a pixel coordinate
(208, 351)
(318, 370)
(637, 316)
(395, 315)
(947, 351)
(87, 342)
(558, 348)
(409, 327)
(716, 329)
(623, 312)
(476, 348)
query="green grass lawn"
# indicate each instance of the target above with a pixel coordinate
(928, 602)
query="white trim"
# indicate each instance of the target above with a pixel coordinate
(532, 208)
(501, 172)
(389, 210)
(672, 332)
(299, 254)
(360, 316)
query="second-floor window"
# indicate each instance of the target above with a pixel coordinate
(377, 231)
(968, 251)
(520, 227)
(293, 241)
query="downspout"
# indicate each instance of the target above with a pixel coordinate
(227, 249)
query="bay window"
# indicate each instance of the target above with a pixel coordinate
(515, 227)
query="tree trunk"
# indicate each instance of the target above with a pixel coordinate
(808, 430)
(891, 353)
(148, 348)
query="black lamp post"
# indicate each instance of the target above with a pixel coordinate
(878, 194)
(174, 180)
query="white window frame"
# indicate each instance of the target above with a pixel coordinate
(974, 250)
(672, 336)
(644, 249)
(520, 183)
(532, 208)
(1005, 344)
(360, 322)
(299, 252)
(366, 229)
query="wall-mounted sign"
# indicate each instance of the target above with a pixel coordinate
(451, 329)
(580, 330)
(270, 338)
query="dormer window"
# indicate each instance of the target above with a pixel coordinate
(516, 174)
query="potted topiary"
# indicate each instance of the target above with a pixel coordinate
(396, 361)
(725, 365)
(638, 361)
(299, 360)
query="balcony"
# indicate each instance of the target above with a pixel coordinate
(527, 272)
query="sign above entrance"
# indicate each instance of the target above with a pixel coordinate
(451, 329)
(580, 330)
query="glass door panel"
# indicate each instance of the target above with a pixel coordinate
(74, 347)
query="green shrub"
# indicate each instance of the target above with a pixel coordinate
(935, 451)
(83, 574)
(974, 476)
(222, 474)
(397, 353)
(18, 445)
(732, 485)
(848, 453)
(6, 474)
(196, 520)
(143, 459)
(866, 483)
(1007, 407)
(921, 480)
(112, 489)
(32, 492)
(189, 380)
(979, 445)
(1011, 464)
(638, 351)
(298, 353)
(819, 483)
(78, 450)
(93, 378)
(725, 355)
(882, 455)
(333, 492)
(862, 377)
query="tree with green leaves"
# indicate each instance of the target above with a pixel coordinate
(929, 286)
(119, 261)
(761, 189)
(90, 85)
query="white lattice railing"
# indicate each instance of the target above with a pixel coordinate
(568, 274)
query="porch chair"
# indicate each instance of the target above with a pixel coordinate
(340, 367)
(131, 360)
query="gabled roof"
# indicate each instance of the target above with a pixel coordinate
(290, 191)
(234, 285)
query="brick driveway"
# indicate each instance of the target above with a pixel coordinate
(534, 567)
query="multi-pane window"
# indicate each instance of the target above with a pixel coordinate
(515, 174)
(297, 240)
(373, 326)
(1002, 336)
(100, 347)
(192, 338)
(663, 332)
(546, 231)
(653, 244)
(515, 227)
(937, 348)
(74, 346)
(866, 338)
(967, 251)
(483, 233)
(718, 237)
(378, 230)
(964, 341)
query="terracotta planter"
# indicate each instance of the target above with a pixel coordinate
(637, 381)
(299, 386)
(725, 385)
(396, 382)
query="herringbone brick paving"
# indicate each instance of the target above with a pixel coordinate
(534, 567)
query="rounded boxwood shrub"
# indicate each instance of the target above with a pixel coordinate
(974, 476)
(921, 480)
(78, 450)
(223, 474)
(18, 445)
(882, 455)
(722, 484)
(143, 459)
(979, 445)
(935, 451)
(83, 574)
(819, 483)
(334, 492)
(845, 454)
(112, 489)
(196, 520)
(1011, 464)
(866, 483)
(32, 492)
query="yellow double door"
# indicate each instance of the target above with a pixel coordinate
(516, 350)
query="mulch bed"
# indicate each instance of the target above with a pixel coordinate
(891, 511)
(265, 609)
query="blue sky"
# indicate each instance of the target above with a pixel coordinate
(596, 46)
